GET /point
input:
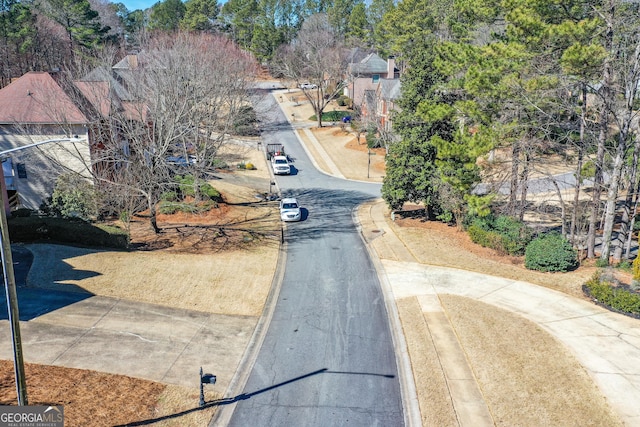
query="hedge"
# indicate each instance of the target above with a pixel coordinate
(618, 298)
(72, 231)
(504, 234)
(550, 252)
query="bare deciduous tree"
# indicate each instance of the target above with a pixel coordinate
(318, 57)
(179, 99)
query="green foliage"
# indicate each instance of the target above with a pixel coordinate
(550, 252)
(169, 208)
(625, 265)
(169, 196)
(79, 20)
(200, 15)
(358, 26)
(636, 269)
(504, 234)
(601, 263)
(242, 16)
(207, 190)
(343, 100)
(245, 123)
(188, 185)
(166, 15)
(616, 297)
(74, 197)
(332, 116)
(588, 170)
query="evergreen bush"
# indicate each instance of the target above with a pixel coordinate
(618, 298)
(74, 197)
(504, 234)
(550, 252)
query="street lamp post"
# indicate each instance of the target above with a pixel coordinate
(10, 280)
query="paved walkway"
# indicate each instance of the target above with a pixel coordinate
(606, 344)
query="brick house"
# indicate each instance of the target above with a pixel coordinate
(374, 87)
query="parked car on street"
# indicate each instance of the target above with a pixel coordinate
(308, 86)
(280, 165)
(290, 210)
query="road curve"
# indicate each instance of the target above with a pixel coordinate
(327, 358)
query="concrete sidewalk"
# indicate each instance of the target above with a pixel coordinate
(606, 344)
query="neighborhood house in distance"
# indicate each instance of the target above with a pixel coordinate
(36, 107)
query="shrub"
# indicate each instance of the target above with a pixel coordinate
(73, 231)
(207, 190)
(636, 269)
(516, 235)
(625, 266)
(74, 197)
(618, 298)
(504, 234)
(188, 185)
(550, 252)
(245, 122)
(22, 212)
(169, 196)
(170, 208)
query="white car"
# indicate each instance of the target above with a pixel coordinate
(280, 165)
(308, 86)
(290, 210)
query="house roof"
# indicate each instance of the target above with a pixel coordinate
(103, 74)
(389, 89)
(36, 98)
(371, 64)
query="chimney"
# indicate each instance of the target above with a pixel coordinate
(391, 67)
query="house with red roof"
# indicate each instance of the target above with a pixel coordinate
(36, 108)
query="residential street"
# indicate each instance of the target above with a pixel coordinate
(328, 356)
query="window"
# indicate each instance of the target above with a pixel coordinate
(22, 170)
(376, 78)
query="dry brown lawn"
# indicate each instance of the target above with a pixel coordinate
(226, 258)
(527, 378)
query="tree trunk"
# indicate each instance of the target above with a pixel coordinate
(612, 196)
(513, 190)
(576, 197)
(628, 209)
(562, 206)
(634, 187)
(603, 122)
(524, 186)
(153, 217)
(630, 86)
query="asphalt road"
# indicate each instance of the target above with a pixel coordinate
(327, 358)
